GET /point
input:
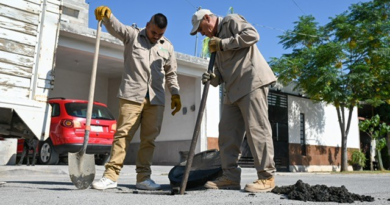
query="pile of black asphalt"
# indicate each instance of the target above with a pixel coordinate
(319, 193)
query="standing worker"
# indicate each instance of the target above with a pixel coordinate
(149, 65)
(240, 65)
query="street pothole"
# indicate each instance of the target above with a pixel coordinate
(319, 193)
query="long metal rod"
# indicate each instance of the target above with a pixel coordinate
(92, 90)
(197, 128)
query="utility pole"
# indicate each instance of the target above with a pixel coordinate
(196, 36)
(196, 44)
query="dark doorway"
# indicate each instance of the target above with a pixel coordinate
(278, 117)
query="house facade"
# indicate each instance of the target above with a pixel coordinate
(306, 135)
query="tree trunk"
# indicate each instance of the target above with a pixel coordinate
(340, 115)
(344, 128)
(380, 164)
(344, 156)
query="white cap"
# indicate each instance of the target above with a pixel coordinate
(197, 18)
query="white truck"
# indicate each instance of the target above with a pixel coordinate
(29, 32)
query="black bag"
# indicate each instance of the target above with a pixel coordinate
(206, 166)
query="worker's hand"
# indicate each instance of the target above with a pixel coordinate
(102, 11)
(215, 44)
(175, 103)
(207, 77)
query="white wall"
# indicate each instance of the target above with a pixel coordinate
(75, 85)
(178, 127)
(321, 123)
(213, 112)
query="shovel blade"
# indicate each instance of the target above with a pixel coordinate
(81, 169)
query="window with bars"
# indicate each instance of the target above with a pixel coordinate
(302, 133)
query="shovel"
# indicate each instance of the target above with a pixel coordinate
(197, 128)
(82, 165)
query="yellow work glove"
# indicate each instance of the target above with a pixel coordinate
(215, 44)
(175, 103)
(207, 76)
(102, 11)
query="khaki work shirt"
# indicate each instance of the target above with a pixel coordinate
(147, 66)
(240, 65)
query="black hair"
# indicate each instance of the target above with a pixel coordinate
(159, 20)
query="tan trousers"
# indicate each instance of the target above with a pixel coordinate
(249, 114)
(131, 116)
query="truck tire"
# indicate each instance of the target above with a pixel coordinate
(47, 153)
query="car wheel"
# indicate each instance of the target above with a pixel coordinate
(47, 153)
(102, 159)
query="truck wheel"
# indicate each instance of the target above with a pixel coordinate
(102, 159)
(47, 153)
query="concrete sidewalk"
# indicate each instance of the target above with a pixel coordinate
(40, 184)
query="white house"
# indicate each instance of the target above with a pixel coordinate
(298, 124)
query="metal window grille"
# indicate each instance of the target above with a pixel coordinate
(302, 133)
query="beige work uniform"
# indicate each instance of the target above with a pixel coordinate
(147, 69)
(247, 76)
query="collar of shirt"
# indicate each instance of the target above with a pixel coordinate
(143, 33)
(219, 25)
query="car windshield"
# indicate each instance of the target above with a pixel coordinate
(80, 110)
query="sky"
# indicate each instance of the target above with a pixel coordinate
(270, 17)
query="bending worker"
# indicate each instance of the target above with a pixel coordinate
(247, 76)
(149, 65)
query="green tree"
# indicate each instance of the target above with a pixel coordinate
(376, 131)
(205, 48)
(343, 63)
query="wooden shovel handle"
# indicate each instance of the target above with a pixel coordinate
(91, 90)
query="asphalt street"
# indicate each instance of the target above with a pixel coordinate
(40, 184)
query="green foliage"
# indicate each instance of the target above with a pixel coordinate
(343, 62)
(205, 47)
(231, 10)
(376, 130)
(358, 157)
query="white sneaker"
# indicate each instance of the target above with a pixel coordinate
(104, 183)
(148, 185)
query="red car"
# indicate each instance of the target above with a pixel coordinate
(68, 118)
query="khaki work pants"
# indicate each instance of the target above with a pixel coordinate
(131, 116)
(249, 114)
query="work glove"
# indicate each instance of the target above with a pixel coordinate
(207, 77)
(215, 44)
(175, 103)
(102, 11)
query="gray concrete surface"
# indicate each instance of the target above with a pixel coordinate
(40, 184)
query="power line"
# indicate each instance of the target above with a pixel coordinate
(191, 4)
(278, 29)
(299, 7)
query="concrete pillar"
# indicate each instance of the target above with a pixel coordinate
(8, 148)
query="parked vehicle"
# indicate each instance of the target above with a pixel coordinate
(29, 38)
(67, 127)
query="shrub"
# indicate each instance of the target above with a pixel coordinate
(358, 158)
